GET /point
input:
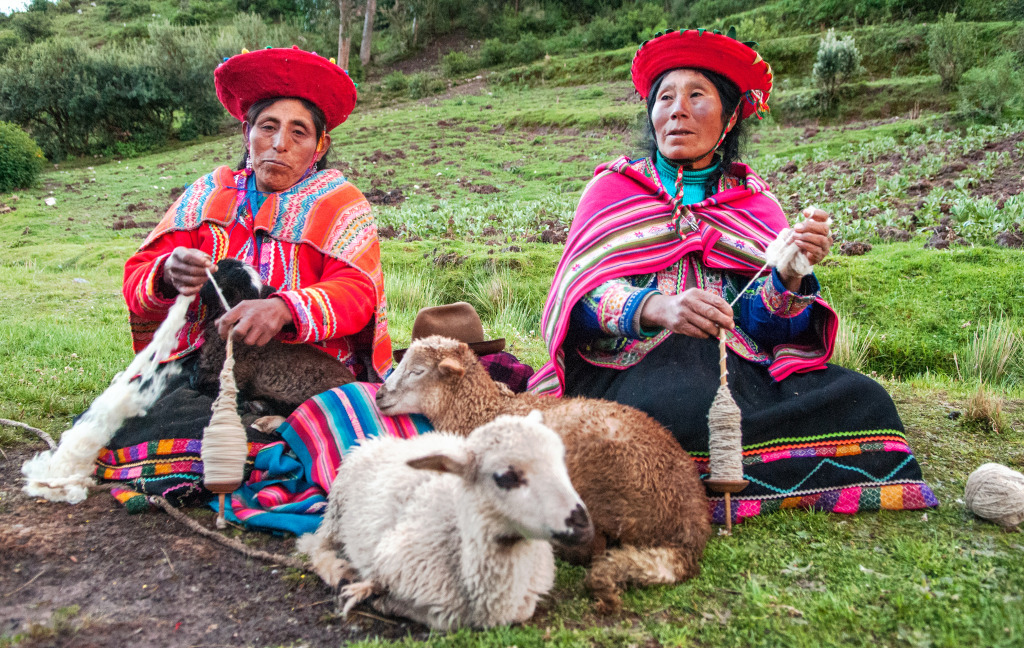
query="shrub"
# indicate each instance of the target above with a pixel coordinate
(837, 62)
(126, 9)
(951, 50)
(986, 92)
(252, 30)
(396, 82)
(423, 85)
(33, 26)
(493, 52)
(8, 41)
(21, 159)
(527, 50)
(455, 64)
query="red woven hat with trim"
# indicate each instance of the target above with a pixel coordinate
(698, 48)
(246, 78)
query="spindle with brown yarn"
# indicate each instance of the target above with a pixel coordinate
(225, 446)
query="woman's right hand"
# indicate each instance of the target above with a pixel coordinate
(694, 312)
(185, 271)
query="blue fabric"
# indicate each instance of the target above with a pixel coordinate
(766, 328)
(693, 181)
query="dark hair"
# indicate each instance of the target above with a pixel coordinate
(729, 94)
(319, 123)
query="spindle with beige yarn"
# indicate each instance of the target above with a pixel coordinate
(996, 493)
(725, 442)
(225, 447)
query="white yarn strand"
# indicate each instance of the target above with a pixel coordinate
(996, 493)
(64, 474)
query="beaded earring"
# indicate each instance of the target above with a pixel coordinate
(248, 160)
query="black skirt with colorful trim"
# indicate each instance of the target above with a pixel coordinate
(827, 440)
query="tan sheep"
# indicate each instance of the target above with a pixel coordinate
(643, 492)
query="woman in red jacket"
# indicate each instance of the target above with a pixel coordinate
(304, 227)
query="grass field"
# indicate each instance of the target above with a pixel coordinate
(485, 172)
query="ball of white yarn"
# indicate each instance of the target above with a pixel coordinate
(996, 493)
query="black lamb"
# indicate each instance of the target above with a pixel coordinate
(283, 374)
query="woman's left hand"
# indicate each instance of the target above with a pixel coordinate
(813, 237)
(256, 321)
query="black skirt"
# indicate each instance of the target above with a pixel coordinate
(828, 440)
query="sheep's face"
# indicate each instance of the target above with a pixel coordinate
(519, 467)
(431, 367)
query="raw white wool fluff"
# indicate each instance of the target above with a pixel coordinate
(783, 254)
(65, 474)
(996, 493)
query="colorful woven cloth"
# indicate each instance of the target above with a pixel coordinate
(624, 225)
(287, 488)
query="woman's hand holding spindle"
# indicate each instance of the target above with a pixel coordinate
(185, 271)
(814, 238)
(695, 312)
(256, 321)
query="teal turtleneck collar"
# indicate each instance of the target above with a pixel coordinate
(693, 181)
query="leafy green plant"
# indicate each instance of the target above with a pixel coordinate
(493, 52)
(455, 64)
(526, 50)
(21, 159)
(837, 62)
(952, 49)
(986, 92)
(395, 82)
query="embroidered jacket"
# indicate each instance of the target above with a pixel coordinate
(767, 314)
(316, 243)
(624, 226)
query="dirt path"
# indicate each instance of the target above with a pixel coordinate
(92, 575)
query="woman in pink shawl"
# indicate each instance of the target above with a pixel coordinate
(657, 267)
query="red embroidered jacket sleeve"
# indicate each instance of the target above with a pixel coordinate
(144, 271)
(340, 303)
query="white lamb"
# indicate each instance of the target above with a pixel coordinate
(451, 531)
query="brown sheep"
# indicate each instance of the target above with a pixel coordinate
(645, 497)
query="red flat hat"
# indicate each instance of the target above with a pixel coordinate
(246, 78)
(698, 48)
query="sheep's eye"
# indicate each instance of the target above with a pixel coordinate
(509, 479)
(416, 372)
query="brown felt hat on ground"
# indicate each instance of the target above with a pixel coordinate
(459, 321)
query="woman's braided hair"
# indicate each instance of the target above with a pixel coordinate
(731, 147)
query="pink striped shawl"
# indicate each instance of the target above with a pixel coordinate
(624, 226)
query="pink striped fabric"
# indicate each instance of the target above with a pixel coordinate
(624, 226)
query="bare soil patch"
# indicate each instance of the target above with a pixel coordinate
(92, 575)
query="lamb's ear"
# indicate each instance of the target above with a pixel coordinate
(451, 367)
(535, 417)
(448, 463)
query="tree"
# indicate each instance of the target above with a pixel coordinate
(345, 10)
(951, 50)
(364, 47)
(837, 62)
